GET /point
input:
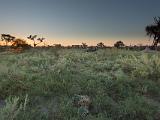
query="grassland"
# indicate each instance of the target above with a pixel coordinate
(122, 85)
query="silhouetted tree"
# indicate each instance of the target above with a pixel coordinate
(119, 44)
(84, 45)
(57, 45)
(7, 38)
(153, 30)
(101, 45)
(19, 43)
(40, 40)
(33, 38)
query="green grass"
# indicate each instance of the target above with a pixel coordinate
(123, 85)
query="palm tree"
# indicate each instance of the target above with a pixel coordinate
(154, 31)
(119, 44)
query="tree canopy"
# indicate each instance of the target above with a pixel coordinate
(101, 45)
(119, 44)
(20, 43)
(36, 41)
(7, 38)
(153, 31)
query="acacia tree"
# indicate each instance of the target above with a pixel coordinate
(153, 31)
(7, 38)
(119, 44)
(100, 45)
(36, 41)
(84, 45)
(19, 43)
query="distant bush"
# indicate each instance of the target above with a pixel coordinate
(119, 44)
(19, 43)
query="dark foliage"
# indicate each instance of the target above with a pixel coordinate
(153, 30)
(119, 44)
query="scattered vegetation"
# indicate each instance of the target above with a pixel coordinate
(120, 84)
(16, 45)
(19, 45)
(7, 38)
(74, 84)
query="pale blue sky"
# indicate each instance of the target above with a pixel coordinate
(78, 19)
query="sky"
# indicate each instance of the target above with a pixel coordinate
(75, 21)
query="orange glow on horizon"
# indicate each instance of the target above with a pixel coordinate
(92, 42)
(88, 42)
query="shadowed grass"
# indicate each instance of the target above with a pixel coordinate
(122, 84)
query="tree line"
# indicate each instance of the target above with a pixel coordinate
(16, 42)
(153, 31)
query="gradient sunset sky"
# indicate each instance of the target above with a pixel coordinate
(76, 21)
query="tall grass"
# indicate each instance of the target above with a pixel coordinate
(12, 108)
(123, 85)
